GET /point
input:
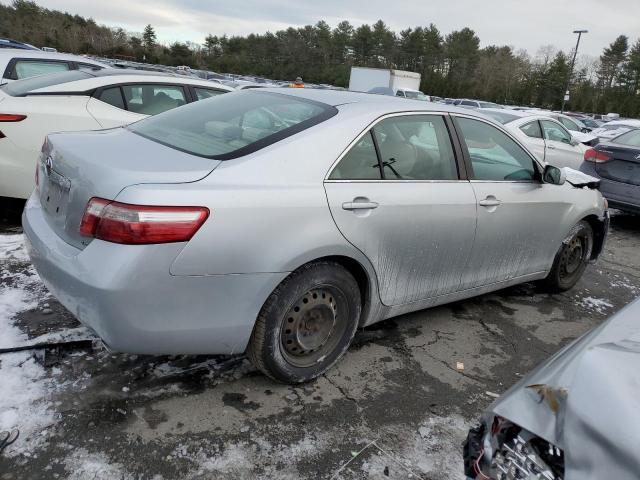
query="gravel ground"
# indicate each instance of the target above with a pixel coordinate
(396, 406)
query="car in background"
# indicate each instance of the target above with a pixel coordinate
(9, 43)
(615, 128)
(574, 417)
(278, 221)
(543, 135)
(591, 122)
(80, 100)
(412, 94)
(617, 164)
(464, 102)
(18, 64)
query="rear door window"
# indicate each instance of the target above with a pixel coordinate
(494, 155)
(112, 96)
(532, 129)
(360, 163)
(31, 68)
(149, 99)
(235, 124)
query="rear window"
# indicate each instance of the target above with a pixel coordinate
(23, 87)
(631, 138)
(235, 124)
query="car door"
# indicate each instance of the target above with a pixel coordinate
(518, 215)
(397, 196)
(561, 149)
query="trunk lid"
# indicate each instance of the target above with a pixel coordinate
(78, 166)
(624, 167)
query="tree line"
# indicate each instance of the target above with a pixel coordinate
(451, 65)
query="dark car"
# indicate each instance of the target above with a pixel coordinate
(575, 417)
(617, 164)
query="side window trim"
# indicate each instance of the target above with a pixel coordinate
(467, 157)
(454, 138)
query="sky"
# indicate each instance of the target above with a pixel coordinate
(518, 23)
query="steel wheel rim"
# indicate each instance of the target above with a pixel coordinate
(313, 326)
(572, 256)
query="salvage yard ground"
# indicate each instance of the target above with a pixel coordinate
(396, 406)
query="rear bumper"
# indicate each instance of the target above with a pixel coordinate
(128, 297)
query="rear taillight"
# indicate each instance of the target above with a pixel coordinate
(11, 117)
(140, 224)
(596, 156)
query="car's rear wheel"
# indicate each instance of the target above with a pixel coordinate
(572, 259)
(307, 323)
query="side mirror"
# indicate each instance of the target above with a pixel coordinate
(586, 130)
(554, 175)
(574, 142)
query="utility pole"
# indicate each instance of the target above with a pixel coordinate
(573, 62)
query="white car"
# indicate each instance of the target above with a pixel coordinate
(544, 136)
(16, 64)
(615, 128)
(81, 100)
(578, 130)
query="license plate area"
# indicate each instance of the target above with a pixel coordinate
(54, 195)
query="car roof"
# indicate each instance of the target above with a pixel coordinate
(110, 76)
(9, 53)
(379, 104)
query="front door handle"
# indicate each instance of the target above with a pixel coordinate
(490, 201)
(359, 205)
(551, 147)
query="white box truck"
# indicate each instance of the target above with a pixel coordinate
(364, 79)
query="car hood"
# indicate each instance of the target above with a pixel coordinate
(580, 179)
(585, 400)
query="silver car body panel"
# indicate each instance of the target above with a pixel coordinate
(271, 212)
(592, 384)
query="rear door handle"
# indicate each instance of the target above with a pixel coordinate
(359, 205)
(490, 202)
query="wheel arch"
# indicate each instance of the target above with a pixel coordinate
(600, 227)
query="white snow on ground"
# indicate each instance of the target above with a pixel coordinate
(599, 305)
(26, 386)
(83, 465)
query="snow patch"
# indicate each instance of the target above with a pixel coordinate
(83, 465)
(26, 386)
(599, 305)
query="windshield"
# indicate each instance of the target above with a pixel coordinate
(232, 125)
(23, 87)
(502, 117)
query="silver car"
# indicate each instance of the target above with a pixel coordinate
(278, 221)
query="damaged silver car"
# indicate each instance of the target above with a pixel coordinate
(576, 416)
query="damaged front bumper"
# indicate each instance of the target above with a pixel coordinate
(574, 417)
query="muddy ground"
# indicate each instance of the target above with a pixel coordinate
(394, 407)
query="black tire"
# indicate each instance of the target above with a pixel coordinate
(306, 324)
(571, 260)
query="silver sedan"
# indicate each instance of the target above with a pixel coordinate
(278, 221)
